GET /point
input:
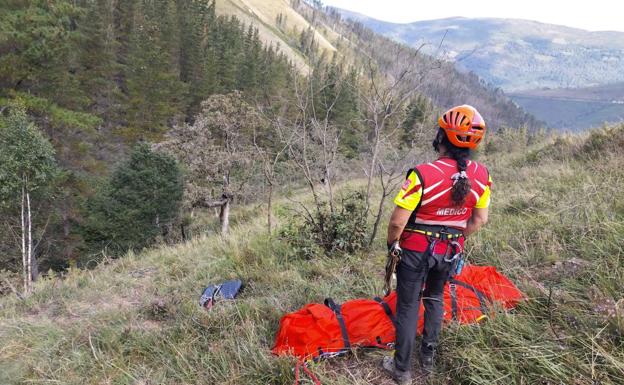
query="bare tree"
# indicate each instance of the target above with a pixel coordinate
(270, 156)
(313, 140)
(391, 169)
(388, 89)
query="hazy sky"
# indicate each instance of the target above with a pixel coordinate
(594, 15)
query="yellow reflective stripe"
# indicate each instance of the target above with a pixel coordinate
(484, 200)
(435, 235)
(408, 198)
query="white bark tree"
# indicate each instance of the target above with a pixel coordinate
(27, 167)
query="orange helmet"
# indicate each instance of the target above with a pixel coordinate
(463, 125)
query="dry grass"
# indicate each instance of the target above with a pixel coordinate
(556, 228)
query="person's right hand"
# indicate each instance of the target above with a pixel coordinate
(394, 248)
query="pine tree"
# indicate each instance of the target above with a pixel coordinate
(98, 60)
(156, 95)
(248, 71)
(40, 55)
(196, 19)
(229, 53)
(417, 114)
(138, 201)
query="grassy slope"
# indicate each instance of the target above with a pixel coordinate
(263, 13)
(556, 228)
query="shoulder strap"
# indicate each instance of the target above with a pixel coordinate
(387, 309)
(343, 327)
(483, 300)
(412, 218)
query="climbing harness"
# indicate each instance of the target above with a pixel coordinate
(455, 258)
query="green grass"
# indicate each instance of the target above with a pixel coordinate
(556, 228)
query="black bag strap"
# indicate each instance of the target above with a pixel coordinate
(483, 300)
(387, 309)
(453, 292)
(343, 327)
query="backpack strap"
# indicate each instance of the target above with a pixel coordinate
(422, 186)
(483, 300)
(343, 327)
(453, 292)
(387, 309)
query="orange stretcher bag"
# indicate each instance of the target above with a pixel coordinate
(329, 329)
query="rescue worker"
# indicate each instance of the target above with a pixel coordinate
(440, 204)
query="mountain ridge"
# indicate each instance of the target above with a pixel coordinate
(359, 15)
(284, 22)
(515, 54)
(575, 108)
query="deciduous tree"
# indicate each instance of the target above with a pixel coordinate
(27, 168)
(218, 152)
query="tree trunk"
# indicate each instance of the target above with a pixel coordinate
(183, 232)
(270, 208)
(330, 192)
(29, 255)
(371, 171)
(67, 248)
(225, 217)
(377, 219)
(35, 266)
(23, 228)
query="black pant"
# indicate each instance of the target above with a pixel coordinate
(415, 269)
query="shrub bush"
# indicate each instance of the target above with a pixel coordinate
(333, 233)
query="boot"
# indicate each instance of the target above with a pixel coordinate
(427, 353)
(399, 376)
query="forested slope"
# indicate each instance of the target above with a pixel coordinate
(99, 76)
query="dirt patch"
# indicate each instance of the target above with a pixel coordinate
(555, 272)
(364, 367)
(143, 273)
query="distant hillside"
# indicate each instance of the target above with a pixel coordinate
(282, 23)
(515, 54)
(575, 108)
(264, 15)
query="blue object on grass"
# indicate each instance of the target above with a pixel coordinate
(225, 290)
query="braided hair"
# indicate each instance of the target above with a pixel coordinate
(461, 182)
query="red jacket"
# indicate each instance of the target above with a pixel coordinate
(427, 192)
